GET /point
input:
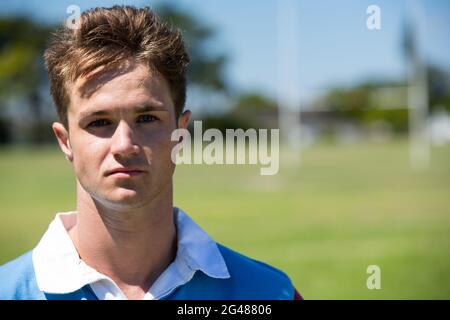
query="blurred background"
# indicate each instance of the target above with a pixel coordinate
(361, 95)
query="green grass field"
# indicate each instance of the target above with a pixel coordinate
(323, 223)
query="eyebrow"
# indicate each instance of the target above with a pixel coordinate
(137, 109)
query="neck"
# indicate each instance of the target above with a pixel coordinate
(131, 246)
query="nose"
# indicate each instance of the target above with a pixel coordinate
(122, 143)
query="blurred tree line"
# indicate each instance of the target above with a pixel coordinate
(385, 100)
(24, 82)
(22, 73)
(24, 85)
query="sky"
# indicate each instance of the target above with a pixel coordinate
(303, 50)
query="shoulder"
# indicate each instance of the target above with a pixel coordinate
(17, 279)
(249, 279)
(258, 277)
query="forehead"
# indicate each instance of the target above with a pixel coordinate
(122, 87)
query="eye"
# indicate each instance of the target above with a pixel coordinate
(147, 118)
(98, 123)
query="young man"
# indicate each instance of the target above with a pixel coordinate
(119, 86)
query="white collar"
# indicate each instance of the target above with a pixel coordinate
(59, 269)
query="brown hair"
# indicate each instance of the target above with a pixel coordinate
(108, 36)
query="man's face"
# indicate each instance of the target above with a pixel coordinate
(121, 119)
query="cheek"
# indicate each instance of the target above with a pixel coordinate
(157, 144)
(87, 159)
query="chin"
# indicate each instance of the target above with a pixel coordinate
(125, 197)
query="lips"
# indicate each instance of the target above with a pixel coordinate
(125, 171)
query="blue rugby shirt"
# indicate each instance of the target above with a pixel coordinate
(202, 269)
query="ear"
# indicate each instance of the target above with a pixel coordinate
(62, 135)
(183, 119)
